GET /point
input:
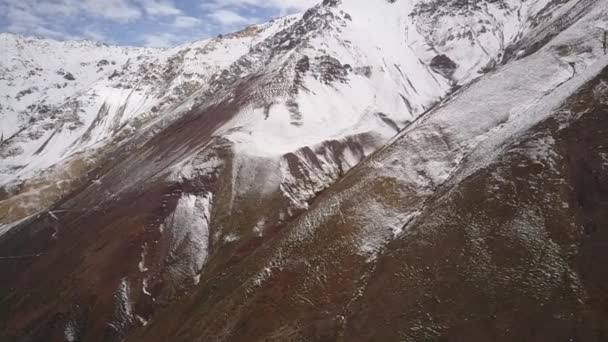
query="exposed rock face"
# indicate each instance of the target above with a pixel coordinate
(266, 197)
(443, 65)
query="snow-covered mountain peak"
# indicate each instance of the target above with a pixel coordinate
(342, 70)
(370, 51)
(76, 94)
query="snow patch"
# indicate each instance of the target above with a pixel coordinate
(542, 151)
(144, 287)
(230, 238)
(380, 224)
(122, 317)
(258, 229)
(188, 227)
(71, 332)
(142, 263)
(600, 92)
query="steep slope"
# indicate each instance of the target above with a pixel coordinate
(294, 71)
(474, 224)
(85, 92)
(55, 130)
(218, 210)
(513, 252)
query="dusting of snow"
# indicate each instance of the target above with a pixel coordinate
(122, 318)
(71, 332)
(546, 271)
(603, 155)
(144, 287)
(258, 229)
(259, 279)
(231, 238)
(600, 92)
(459, 137)
(141, 320)
(142, 262)
(196, 164)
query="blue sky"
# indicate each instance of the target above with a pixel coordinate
(157, 23)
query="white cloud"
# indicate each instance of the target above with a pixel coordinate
(160, 40)
(117, 10)
(159, 7)
(151, 22)
(36, 30)
(228, 14)
(182, 21)
(62, 8)
(22, 19)
(94, 34)
(228, 17)
(22, 14)
(76, 19)
(52, 12)
(281, 6)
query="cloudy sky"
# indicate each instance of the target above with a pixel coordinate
(157, 23)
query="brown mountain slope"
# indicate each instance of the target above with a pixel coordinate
(512, 252)
(515, 252)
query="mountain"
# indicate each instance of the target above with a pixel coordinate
(387, 170)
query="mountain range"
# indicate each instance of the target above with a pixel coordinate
(386, 170)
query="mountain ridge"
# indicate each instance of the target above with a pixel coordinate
(269, 200)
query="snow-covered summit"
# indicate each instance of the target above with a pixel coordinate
(351, 73)
(61, 98)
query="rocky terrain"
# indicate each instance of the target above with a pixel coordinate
(365, 171)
